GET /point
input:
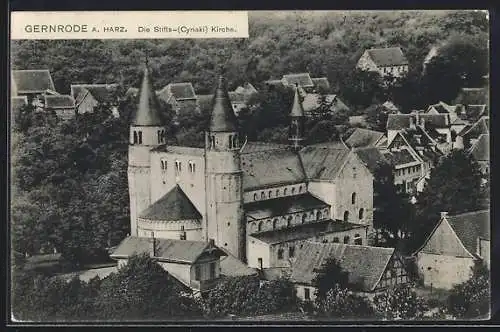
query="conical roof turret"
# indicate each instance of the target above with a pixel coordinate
(223, 118)
(148, 113)
(297, 108)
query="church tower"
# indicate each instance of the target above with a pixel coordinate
(146, 132)
(297, 119)
(225, 217)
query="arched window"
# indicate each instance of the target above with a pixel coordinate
(270, 194)
(293, 190)
(140, 137)
(280, 253)
(336, 240)
(235, 141)
(304, 218)
(159, 136)
(178, 166)
(289, 221)
(230, 141)
(361, 213)
(163, 165)
(275, 223)
(135, 137)
(358, 240)
(255, 197)
(353, 198)
(285, 191)
(300, 189)
(262, 195)
(346, 239)
(318, 215)
(346, 216)
(259, 228)
(277, 192)
(291, 251)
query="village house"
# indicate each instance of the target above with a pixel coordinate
(63, 105)
(480, 151)
(304, 81)
(453, 247)
(361, 137)
(457, 116)
(312, 101)
(180, 96)
(89, 96)
(370, 269)
(470, 133)
(32, 83)
(385, 61)
(228, 190)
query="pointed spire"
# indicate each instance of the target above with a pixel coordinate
(148, 113)
(297, 108)
(223, 118)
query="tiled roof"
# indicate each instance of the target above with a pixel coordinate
(274, 82)
(402, 121)
(283, 205)
(271, 167)
(321, 82)
(302, 79)
(392, 56)
(372, 157)
(363, 137)
(205, 102)
(180, 91)
(59, 101)
(324, 161)
(480, 150)
(222, 118)
(357, 120)
(389, 105)
(148, 113)
(441, 108)
(103, 93)
(32, 80)
(174, 205)
(470, 226)
(261, 146)
(233, 267)
(365, 265)
(480, 127)
(304, 231)
(180, 251)
(185, 150)
(401, 157)
(311, 102)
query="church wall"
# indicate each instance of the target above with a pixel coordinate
(327, 192)
(191, 181)
(149, 135)
(139, 193)
(257, 249)
(170, 229)
(262, 194)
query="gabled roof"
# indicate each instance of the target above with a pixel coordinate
(482, 126)
(249, 147)
(324, 161)
(305, 231)
(372, 157)
(232, 267)
(365, 265)
(392, 56)
(222, 118)
(470, 226)
(311, 102)
(169, 250)
(361, 137)
(246, 89)
(59, 101)
(283, 205)
(442, 108)
(32, 80)
(389, 105)
(321, 82)
(180, 91)
(401, 157)
(174, 205)
(269, 168)
(480, 150)
(148, 113)
(302, 79)
(103, 93)
(402, 121)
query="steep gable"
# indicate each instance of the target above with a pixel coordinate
(363, 138)
(324, 161)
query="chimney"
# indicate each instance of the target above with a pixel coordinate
(444, 214)
(152, 250)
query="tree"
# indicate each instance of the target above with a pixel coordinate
(340, 303)
(471, 299)
(376, 117)
(328, 276)
(454, 187)
(399, 302)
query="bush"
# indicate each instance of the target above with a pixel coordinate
(341, 303)
(399, 302)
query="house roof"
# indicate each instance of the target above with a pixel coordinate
(389, 105)
(304, 231)
(365, 265)
(472, 96)
(441, 108)
(182, 150)
(268, 168)
(401, 157)
(249, 147)
(480, 127)
(480, 150)
(321, 82)
(232, 267)
(246, 89)
(179, 251)
(311, 102)
(470, 226)
(283, 205)
(205, 102)
(59, 101)
(179, 91)
(475, 111)
(372, 157)
(361, 137)
(402, 121)
(324, 161)
(392, 56)
(302, 79)
(148, 113)
(32, 80)
(103, 93)
(174, 205)
(357, 120)
(222, 118)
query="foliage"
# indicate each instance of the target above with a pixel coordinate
(328, 276)
(471, 299)
(376, 117)
(340, 303)
(247, 296)
(399, 302)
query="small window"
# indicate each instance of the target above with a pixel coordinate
(346, 216)
(163, 165)
(275, 223)
(135, 137)
(280, 253)
(325, 241)
(300, 189)
(285, 191)
(336, 240)
(140, 137)
(291, 251)
(255, 197)
(159, 136)
(178, 166)
(259, 228)
(230, 141)
(192, 166)
(307, 294)
(318, 215)
(353, 198)
(270, 193)
(358, 240)
(304, 218)
(346, 239)
(182, 236)
(361, 213)
(293, 190)
(289, 221)
(235, 141)
(277, 192)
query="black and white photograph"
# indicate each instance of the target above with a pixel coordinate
(333, 166)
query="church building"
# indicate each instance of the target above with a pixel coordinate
(257, 201)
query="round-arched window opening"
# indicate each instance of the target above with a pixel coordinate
(346, 216)
(353, 198)
(346, 239)
(361, 213)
